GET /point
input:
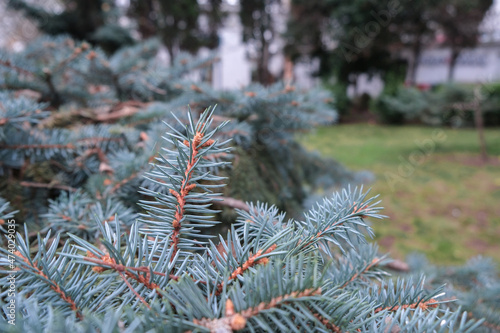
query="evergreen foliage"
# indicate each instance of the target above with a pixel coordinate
(75, 118)
(475, 286)
(268, 273)
(92, 20)
(119, 216)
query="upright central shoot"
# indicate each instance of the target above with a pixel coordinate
(183, 168)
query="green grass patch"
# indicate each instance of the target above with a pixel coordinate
(440, 198)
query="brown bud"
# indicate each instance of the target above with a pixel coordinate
(104, 167)
(229, 307)
(91, 55)
(143, 136)
(238, 322)
(196, 88)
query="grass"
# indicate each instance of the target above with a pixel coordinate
(440, 199)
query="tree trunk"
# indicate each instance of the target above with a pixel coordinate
(453, 61)
(354, 82)
(479, 122)
(412, 70)
(263, 75)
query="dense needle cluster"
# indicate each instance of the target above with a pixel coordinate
(266, 274)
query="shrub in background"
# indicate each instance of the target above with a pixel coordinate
(491, 104)
(445, 105)
(340, 101)
(406, 104)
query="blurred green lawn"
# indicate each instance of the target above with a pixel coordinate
(445, 203)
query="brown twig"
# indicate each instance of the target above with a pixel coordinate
(233, 321)
(432, 303)
(252, 261)
(19, 69)
(398, 265)
(108, 263)
(186, 187)
(232, 202)
(123, 182)
(327, 323)
(60, 146)
(134, 291)
(49, 186)
(96, 140)
(374, 262)
(121, 110)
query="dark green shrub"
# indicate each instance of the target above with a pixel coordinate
(450, 105)
(407, 104)
(341, 101)
(491, 104)
(445, 105)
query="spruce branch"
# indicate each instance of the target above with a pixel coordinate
(134, 291)
(53, 284)
(423, 305)
(186, 186)
(374, 262)
(250, 262)
(9, 64)
(233, 321)
(123, 182)
(162, 273)
(183, 169)
(106, 262)
(53, 278)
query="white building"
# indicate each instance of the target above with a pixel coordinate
(478, 65)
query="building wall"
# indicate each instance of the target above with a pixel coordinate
(481, 64)
(233, 70)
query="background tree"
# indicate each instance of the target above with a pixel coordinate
(459, 21)
(416, 30)
(259, 30)
(305, 29)
(181, 25)
(362, 36)
(349, 38)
